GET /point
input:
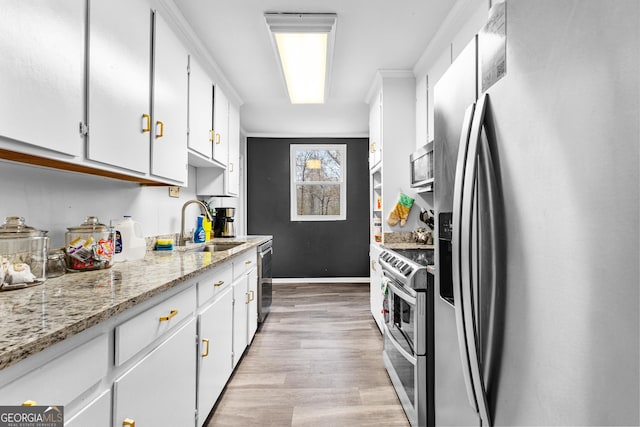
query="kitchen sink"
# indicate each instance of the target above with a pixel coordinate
(216, 247)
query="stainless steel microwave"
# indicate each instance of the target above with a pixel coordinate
(421, 167)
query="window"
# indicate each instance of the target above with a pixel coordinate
(318, 182)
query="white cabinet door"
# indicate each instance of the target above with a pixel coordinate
(200, 109)
(252, 309)
(240, 313)
(170, 102)
(233, 172)
(160, 390)
(96, 414)
(118, 96)
(375, 290)
(42, 73)
(214, 361)
(220, 126)
(375, 130)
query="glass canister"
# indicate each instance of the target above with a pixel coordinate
(89, 246)
(23, 254)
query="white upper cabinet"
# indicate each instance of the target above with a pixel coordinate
(118, 95)
(201, 135)
(375, 130)
(170, 101)
(220, 126)
(234, 151)
(42, 73)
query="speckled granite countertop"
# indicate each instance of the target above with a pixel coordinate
(38, 317)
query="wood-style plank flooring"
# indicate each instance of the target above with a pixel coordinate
(316, 361)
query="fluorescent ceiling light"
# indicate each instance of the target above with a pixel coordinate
(303, 43)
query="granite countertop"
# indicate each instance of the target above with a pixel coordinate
(40, 316)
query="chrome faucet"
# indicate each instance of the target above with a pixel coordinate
(183, 240)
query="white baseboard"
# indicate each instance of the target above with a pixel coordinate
(321, 280)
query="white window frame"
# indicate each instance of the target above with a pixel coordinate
(343, 182)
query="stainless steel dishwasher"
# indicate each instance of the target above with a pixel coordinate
(265, 252)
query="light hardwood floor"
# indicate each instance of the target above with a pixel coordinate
(316, 361)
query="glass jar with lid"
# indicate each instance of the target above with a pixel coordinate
(23, 254)
(89, 246)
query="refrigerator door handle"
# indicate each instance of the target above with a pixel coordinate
(468, 263)
(458, 195)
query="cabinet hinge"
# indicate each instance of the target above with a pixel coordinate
(84, 129)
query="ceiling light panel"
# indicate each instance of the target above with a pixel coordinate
(304, 47)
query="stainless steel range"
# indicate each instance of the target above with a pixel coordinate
(408, 332)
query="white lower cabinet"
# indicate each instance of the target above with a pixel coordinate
(215, 336)
(160, 389)
(240, 310)
(96, 414)
(375, 289)
(252, 310)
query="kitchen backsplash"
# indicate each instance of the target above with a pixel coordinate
(53, 200)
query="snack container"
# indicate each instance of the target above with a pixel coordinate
(23, 254)
(89, 246)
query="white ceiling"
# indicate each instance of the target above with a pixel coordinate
(370, 35)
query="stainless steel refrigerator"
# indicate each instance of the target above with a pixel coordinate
(537, 286)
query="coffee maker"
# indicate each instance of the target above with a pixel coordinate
(224, 226)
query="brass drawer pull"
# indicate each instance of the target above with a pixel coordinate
(248, 262)
(128, 422)
(171, 315)
(29, 403)
(220, 283)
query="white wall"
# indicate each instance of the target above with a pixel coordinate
(53, 200)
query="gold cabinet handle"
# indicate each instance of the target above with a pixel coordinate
(373, 265)
(373, 147)
(211, 135)
(220, 283)
(29, 403)
(217, 139)
(248, 298)
(128, 422)
(230, 166)
(248, 262)
(253, 295)
(206, 343)
(171, 315)
(146, 126)
(160, 125)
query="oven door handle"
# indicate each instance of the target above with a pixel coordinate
(401, 293)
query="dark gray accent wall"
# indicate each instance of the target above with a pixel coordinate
(304, 248)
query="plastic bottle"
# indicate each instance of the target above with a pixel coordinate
(199, 234)
(130, 243)
(206, 224)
